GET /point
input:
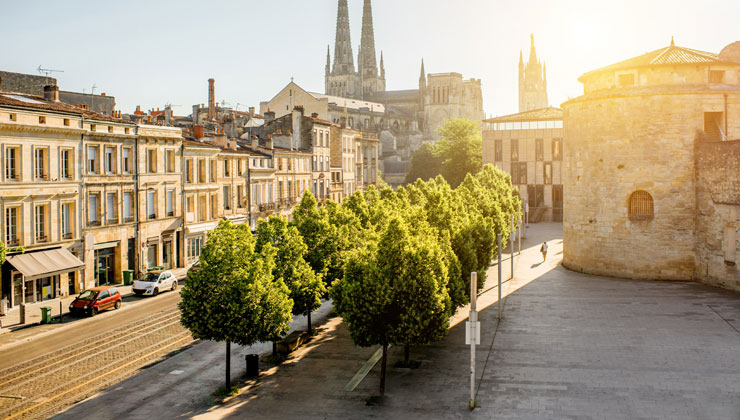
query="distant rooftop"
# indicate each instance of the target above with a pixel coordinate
(542, 114)
(350, 103)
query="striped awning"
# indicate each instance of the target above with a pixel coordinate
(36, 265)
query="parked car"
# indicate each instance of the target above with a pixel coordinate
(94, 300)
(154, 282)
(195, 267)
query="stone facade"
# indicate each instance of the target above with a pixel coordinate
(629, 186)
(529, 147)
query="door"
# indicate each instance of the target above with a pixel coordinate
(151, 256)
(17, 288)
(557, 203)
(104, 266)
(167, 254)
(131, 253)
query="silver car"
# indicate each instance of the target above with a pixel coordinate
(154, 282)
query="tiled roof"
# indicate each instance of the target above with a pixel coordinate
(39, 103)
(543, 114)
(670, 55)
(195, 143)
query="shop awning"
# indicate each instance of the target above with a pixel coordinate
(202, 227)
(35, 265)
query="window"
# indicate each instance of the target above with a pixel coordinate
(539, 150)
(227, 170)
(641, 206)
(40, 163)
(514, 173)
(716, 76)
(151, 157)
(239, 201)
(514, 150)
(93, 209)
(92, 159)
(239, 167)
(40, 224)
(11, 163)
(13, 117)
(66, 122)
(93, 127)
(202, 171)
(189, 171)
(68, 220)
(170, 162)
(189, 204)
(126, 130)
(202, 208)
(194, 246)
(42, 120)
(110, 208)
(110, 128)
(11, 226)
(126, 160)
(523, 173)
(151, 204)
(170, 203)
(498, 147)
(547, 173)
(110, 160)
(214, 207)
(65, 163)
(213, 170)
(626, 79)
(713, 127)
(557, 149)
(128, 207)
(227, 198)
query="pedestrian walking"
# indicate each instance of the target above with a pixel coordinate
(543, 250)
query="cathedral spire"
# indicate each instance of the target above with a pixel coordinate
(422, 76)
(328, 60)
(532, 52)
(367, 64)
(343, 57)
(382, 66)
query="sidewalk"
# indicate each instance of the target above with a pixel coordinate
(12, 321)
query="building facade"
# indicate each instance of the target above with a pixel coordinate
(630, 188)
(529, 147)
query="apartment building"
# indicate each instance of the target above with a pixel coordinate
(200, 195)
(262, 185)
(366, 154)
(159, 194)
(320, 159)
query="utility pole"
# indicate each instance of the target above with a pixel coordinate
(498, 239)
(472, 335)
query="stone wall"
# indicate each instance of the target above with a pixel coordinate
(24, 83)
(718, 213)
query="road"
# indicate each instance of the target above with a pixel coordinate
(42, 377)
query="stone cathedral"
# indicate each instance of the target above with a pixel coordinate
(532, 82)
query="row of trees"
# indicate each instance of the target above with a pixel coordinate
(397, 264)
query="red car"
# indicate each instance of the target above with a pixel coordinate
(94, 300)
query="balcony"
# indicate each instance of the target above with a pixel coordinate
(170, 213)
(93, 223)
(12, 176)
(41, 238)
(152, 216)
(128, 219)
(67, 235)
(12, 242)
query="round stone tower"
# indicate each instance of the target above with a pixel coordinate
(629, 194)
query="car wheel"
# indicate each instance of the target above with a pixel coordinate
(93, 311)
(118, 304)
(156, 292)
(174, 286)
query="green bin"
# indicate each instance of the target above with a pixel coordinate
(46, 314)
(128, 277)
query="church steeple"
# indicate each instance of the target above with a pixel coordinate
(532, 52)
(422, 77)
(367, 64)
(343, 56)
(532, 81)
(382, 66)
(328, 60)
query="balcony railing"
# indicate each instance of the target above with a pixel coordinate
(152, 216)
(170, 213)
(112, 221)
(93, 223)
(128, 219)
(12, 242)
(266, 207)
(67, 235)
(41, 238)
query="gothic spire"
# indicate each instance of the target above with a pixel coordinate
(343, 57)
(532, 53)
(328, 59)
(367, 64)
(422, 76)
(382, 66)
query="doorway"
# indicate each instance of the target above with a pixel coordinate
(104, 273)
(167, 254)
(151, 256)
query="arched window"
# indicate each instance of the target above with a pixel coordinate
(641, 206)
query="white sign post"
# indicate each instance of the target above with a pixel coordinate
(472, 334)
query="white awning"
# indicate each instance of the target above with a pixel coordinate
(36, 265)
(201, 227)
(237, 219)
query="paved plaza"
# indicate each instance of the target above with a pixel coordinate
(570, 346)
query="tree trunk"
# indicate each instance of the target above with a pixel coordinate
(406, 352)
(382, 368)
(274, 349)
(228, 366)
(310, 331)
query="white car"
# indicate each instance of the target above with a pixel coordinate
(154, 282)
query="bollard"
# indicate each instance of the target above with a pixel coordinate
(61, 313)
(23, 313)
(253, 365)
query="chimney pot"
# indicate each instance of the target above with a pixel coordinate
(51, 93)
(102, 94)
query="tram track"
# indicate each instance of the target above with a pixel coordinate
(45, 385)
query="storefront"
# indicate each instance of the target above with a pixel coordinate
(195, 238)
(37, 276)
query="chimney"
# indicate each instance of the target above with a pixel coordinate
(198, 131)
(251, 112)
(297, 121)
(51, 93)
(343, 122)
(269, 116)
(102, 94)
(211, 100)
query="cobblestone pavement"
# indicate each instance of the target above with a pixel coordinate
(570, 346)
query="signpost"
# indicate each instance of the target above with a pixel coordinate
(472, 334)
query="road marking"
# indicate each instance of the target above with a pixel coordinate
(364, 370)
(177, 372)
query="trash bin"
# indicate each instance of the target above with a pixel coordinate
(253, 365)
(46, 314)
(128, 277)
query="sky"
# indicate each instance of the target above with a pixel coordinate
(151, 53)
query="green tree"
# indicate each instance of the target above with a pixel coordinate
(460, 149)
(425, 163)
(233, 297)
(395, 293)
(306, 287)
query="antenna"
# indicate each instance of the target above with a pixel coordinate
(168, 104)
(47, 72)
(94, 86)
(224, 103)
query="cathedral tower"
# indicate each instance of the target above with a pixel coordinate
(343, 80)
(532, 82)
(372, 80)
